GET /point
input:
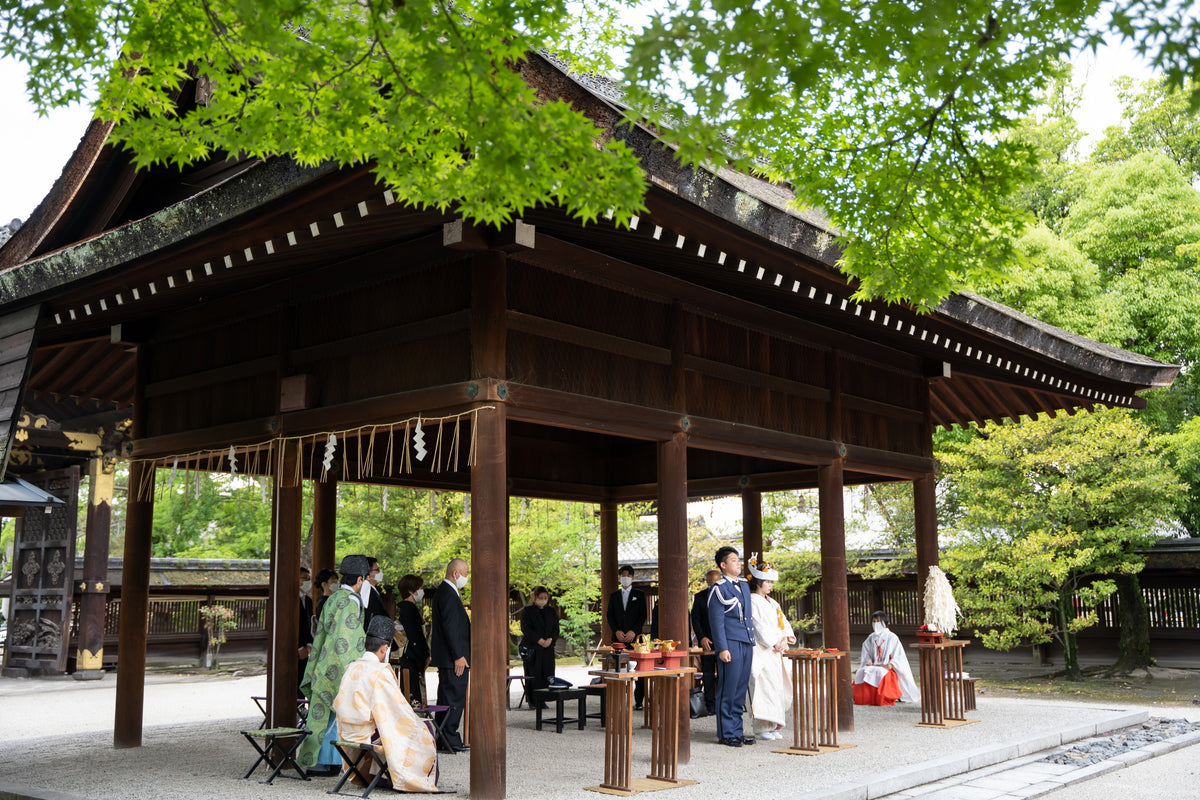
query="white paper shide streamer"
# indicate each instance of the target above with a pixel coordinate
(941, 611)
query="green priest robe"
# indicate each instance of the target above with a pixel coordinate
(338, 642)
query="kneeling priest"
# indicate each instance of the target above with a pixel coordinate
(371, 708)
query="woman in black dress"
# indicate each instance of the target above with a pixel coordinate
(415, 657)
(539, 632)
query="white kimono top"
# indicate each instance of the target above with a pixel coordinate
(369, 701)
(770, 677)
(879, 651)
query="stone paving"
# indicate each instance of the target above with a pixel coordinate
(1040, 774)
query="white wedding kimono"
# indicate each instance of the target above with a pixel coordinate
(369, 701)
(770, 676)
(880, 650)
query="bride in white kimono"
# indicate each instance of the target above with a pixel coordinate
(770, 680)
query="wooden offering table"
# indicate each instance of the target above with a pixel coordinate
(662, 697)
(814, 702)
(943, 694)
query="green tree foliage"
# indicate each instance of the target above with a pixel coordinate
(889, 115)
(1156, 119)
(1053, 509)
(206, 515)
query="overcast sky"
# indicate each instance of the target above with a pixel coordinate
(34, 149)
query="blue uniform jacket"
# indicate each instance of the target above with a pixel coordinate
(729, 613)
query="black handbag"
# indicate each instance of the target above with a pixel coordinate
(697, 705)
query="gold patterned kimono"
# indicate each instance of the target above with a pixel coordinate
(369, 701)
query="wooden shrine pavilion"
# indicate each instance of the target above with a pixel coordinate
(272, 319)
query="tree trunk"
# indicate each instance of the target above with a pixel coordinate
(1133, 623)
(1066, 613)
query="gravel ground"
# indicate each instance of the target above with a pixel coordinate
(59, 736)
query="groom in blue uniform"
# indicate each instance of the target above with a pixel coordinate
(733, 640)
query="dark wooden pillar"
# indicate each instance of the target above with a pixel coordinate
(283, 608)
(925, 517)
(752, 533)
(608, 564)
(324, 536)
(489, 535)
(673, 606)
(89, 663)
(135, 603)
(835, 598)
(489, 607)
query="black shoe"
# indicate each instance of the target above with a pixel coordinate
(463, 749)
(637, 706)
(748, 740)
(731, 742)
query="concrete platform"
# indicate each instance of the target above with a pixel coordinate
(203, 755)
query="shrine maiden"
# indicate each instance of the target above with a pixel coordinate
(884, 675)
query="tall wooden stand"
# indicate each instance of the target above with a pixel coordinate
(814, 703)
(662, 696)
(943, 695)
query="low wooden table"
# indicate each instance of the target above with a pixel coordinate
(664, 731)
(943, 695)
(814, 703)
(559, 697)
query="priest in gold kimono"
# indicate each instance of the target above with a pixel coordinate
(371, 708)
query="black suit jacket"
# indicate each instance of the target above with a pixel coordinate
(629, 618)
(374, 606)
(451, 630)
(306, 616)
(409, 616)
(700, 615)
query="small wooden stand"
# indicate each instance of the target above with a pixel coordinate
(814, 703)
(943, 694)
(662, 699)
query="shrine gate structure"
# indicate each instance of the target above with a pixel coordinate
(301, 323)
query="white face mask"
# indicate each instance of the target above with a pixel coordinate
(626, 581)
(460, 581)
(418, 595)
(377, 577)
(387, 654)
(879, 627)
(306, 587)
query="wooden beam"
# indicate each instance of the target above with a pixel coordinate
(608, 564)
(394, 336)
(835, 595)
(489, 535)
(749, 377)
(585, 337)
(324, 536)
(885, 462)
(89, 660)
(564, 257)
(925, 520)
(135, 604)
(752, 533)
(489, 607)
(674, 605)
(283, 610)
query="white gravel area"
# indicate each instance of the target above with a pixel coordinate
(58, 737)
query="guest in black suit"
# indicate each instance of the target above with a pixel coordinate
(708, 663)
(627, 617)
(305, 631)
(327, 583)
(415, 657)
(451, 651)
(539, 632)
(371, 596)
